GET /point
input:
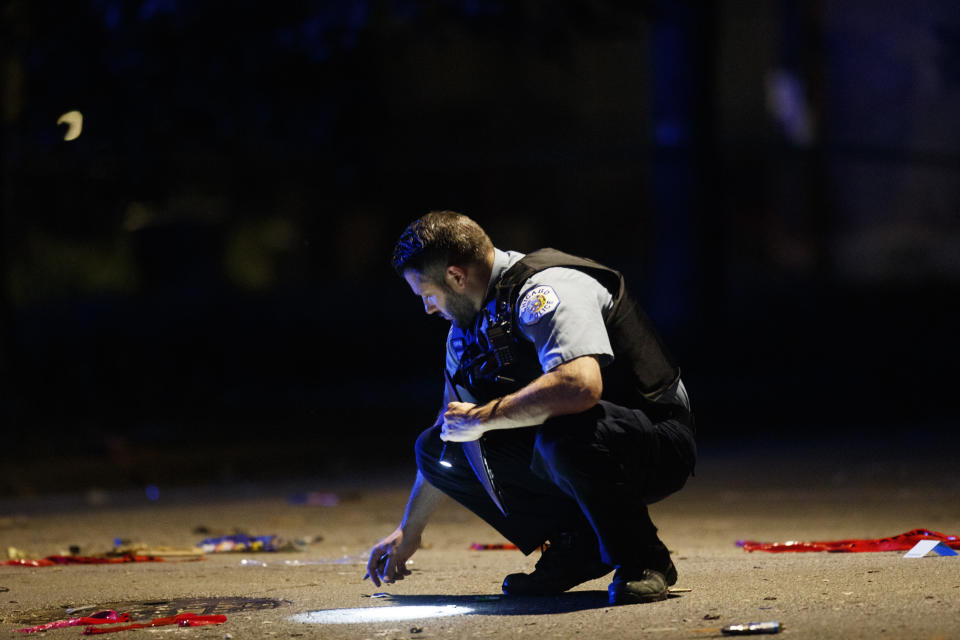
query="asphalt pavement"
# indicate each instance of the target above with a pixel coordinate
(800, 489)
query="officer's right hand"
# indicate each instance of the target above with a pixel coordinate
(388, 558)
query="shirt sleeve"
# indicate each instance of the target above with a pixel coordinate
(561, 311)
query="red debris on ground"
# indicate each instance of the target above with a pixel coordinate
(181, 620)
(108, 616)
(477, 546)
(902, 542)
(53, 561)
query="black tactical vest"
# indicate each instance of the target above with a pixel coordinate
(505, 361)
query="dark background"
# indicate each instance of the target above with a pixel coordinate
(197, 289)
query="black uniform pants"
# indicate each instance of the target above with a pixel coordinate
(589, 472)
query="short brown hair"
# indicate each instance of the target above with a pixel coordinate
(440, 238)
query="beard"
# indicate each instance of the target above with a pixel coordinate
(460, 308)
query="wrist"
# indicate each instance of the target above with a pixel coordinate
(411, 539)
(412, 530)
(492, 416)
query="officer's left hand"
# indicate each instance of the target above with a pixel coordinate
(464, 421)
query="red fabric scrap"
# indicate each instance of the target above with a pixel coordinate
(186, 619)
(52, 561)
(902, 542)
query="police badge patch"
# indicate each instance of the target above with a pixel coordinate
(537, 303)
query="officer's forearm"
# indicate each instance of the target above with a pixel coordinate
(423, 501)
(572, 387)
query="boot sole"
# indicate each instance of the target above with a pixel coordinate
(541, 589)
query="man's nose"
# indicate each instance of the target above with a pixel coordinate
(429, 307)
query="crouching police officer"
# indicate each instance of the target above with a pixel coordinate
(564, 416)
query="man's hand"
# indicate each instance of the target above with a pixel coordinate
(465, 421)
(388, 558)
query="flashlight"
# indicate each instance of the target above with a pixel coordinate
(443, 453)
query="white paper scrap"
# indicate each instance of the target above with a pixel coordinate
(924, 547)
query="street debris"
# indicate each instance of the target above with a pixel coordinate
(924, 547)
(477, 546)
(100, 617)
(58, 560)
(73, 610)
(248, 562)
(142, 549)
(237, 542)
(751, 628)
(359, 559)
(181, 620)
(901, 542)
(242, 543)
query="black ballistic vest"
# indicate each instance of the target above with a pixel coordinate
(504, 362)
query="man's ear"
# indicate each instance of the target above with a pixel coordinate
(456, 277)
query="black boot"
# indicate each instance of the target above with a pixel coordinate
(633, 585)
(569, 560)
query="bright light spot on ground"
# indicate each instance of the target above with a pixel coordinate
(446, 464)
(379, 614)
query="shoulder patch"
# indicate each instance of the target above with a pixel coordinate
(537, 303)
